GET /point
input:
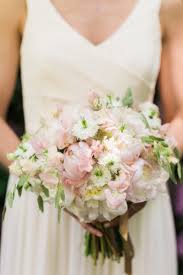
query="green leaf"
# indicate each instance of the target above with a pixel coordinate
(122, 128)
(25, 137)
(60, 196)
(59, 214)
(151, 139)
(34, 158)
(40, 203)
(179, 170)
(10, 199)
(144, 119)
(27, 186)
(128, 99)
(109, 100)
(23, 180)
(20, 191)
(3, 213)
(177, 153)
(181, 175)
(45, 190)
(87, 244)
(170, 169)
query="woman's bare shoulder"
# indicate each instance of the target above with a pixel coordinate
(12, 13)
(171, 16)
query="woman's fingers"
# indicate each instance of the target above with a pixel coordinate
(91, 229)
(133, 209)
(87, 226)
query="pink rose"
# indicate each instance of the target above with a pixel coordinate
(77, 163)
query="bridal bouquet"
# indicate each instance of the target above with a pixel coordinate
(94, 161)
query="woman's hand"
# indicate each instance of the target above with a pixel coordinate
(133, 209)
(170, 79)
(87, 226)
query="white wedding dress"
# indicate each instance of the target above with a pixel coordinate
(60, 65)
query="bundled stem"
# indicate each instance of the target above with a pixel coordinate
(114, 244)
(108, 246)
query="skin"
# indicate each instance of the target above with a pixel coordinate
(95, 20)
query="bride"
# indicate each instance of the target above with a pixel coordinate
(66, 49)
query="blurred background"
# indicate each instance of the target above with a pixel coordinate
(16, 120)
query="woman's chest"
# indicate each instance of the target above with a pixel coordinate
(95, 20)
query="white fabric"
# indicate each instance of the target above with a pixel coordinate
(59, 65)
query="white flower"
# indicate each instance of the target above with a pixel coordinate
(116, 200)
(149, 109)
(173, 160)
(53, 154)
(112, 101)
(112, 145)
(126, 147)
(15, 168)
(131, 151)
(154, 123)
(100, 176)
(69, 196)
(134, 123)
(29, 166)
(24, 150)
(147, 182)
(86, 127)
(151, 113)
(92, 204)
(94, 193)
(111, 160)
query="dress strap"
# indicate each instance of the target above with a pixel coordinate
(35, 5)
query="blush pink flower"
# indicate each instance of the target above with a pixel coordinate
(96, 147)
(77, 163)
(49, 179)
(115, 199)
(95, 100)
(63, 137)
(39, 145)
(56, 162)
(68, 117)
(121, 183)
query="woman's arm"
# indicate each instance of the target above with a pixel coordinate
(171, 74)
(10, 23)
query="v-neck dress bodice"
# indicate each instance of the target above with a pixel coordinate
(59, 65)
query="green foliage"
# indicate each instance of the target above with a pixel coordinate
(128, 99)
(40, 203)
